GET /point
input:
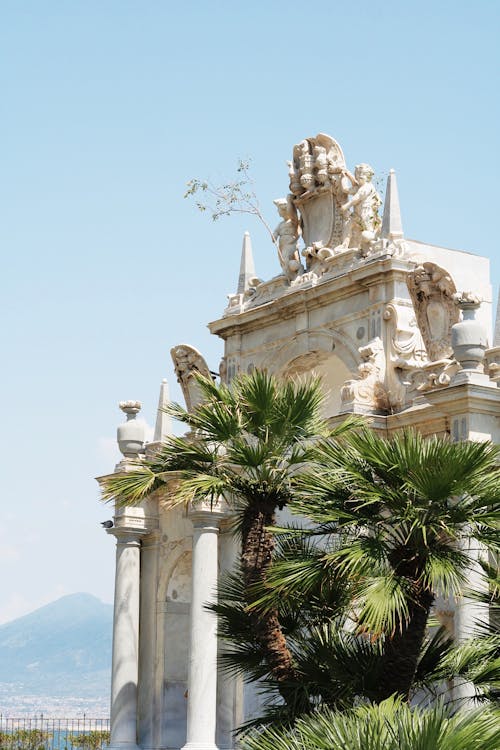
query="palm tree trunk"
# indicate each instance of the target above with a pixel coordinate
(256, 557)
(402, 649)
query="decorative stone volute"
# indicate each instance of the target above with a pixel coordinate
(468, 336)
(187, 362)
(130, 434)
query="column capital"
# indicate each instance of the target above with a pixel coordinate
(205, 515)
(127, 535)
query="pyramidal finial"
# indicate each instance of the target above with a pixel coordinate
(163, 426)
(496, 332)
(247, 268)
(392, 226)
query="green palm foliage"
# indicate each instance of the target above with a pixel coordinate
(404, 510)
(247, 442)
(390, 725)
(477, 660)
(334, 665)
(331, 665)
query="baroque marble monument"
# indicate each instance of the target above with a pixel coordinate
(398, 329)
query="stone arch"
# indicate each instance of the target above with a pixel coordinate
(326, 353)
(316, 345)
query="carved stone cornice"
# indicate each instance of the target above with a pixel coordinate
(347, 284)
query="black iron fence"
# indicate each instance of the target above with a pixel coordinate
(42, 733)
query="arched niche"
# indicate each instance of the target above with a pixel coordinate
(332, 372)
(327, 354)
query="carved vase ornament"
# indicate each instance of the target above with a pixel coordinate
(468, 337)
(130, 434)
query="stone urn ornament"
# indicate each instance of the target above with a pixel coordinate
(130, 434)
(468, 336)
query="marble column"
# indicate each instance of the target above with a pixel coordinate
(202, 669)
(229, 686)
(125, 666)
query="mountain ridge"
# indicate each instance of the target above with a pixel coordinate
(62, 648)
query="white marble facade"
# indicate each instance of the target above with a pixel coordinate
(395, 329)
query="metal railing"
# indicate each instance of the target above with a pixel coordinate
(42, 733)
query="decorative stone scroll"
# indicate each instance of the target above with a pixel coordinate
(188, 361)
(492, 364)
(406, 350)
(367, 393)
(430, 376)
(431, 289)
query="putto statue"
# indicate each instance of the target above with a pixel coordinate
(286, 236)
(362, 225)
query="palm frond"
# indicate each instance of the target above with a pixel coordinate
(390, 725)
(131, 487)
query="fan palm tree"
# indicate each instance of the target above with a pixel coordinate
(334, 666)
(390, 725)
(404, 511)
(246, 443)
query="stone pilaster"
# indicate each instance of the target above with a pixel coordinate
(202, 670)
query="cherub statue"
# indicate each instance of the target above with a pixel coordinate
(362, 224)
(286, 236)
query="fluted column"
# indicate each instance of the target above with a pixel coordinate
(202, 670)
(125, 665)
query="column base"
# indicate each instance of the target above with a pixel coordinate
(200, 746)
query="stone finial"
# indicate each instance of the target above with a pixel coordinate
(130, 408)
(163, 426)
(392, 226)
(130, 435)
(247, 267)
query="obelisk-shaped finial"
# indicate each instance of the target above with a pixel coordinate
(247, 268)
(163, 426)
(392, 226)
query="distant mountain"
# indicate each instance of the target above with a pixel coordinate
(62, 649)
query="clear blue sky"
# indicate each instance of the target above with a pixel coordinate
(107, 110)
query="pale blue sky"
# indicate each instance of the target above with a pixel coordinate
(107, 110)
